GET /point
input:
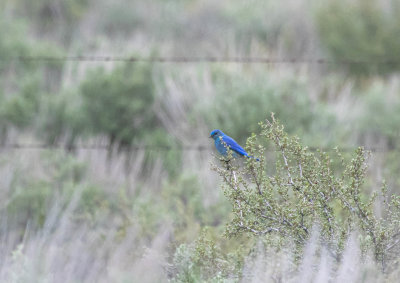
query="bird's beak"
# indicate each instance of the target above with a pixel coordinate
(210, 136)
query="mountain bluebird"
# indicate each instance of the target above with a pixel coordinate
(223, 142)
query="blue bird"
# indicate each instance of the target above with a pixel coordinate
(223, 142)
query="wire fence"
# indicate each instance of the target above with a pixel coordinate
(190, 59)
(38, 146)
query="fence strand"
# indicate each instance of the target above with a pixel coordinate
(21, 146)
(188, 59)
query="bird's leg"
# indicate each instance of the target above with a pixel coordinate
(230, 168)
(227, 164)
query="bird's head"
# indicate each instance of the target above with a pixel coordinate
(216, 133)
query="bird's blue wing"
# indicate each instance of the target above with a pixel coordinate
(233, 145)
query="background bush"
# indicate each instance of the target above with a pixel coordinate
(361, 31)
(113, 181)
(243, 101)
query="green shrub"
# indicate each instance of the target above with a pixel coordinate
(380, 117)
(29, 204)
(20, 109)
(306, 190)
(266, 25)
(54, 20)
(61, 118)
(118, 104)
(184, 200)
(33, 199)
(242, 101)
(361, 30)
(119, 18)
(23, 82)
(205, 261)
(162, 146)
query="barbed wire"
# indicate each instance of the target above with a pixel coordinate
(27, 146)
(189, 59)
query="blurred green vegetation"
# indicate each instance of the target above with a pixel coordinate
(119, 104)
(243, 101)
(53, 20)
(145, 114)
(361, 31)
(380, 117)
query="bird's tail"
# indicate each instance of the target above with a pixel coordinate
(249, 156)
